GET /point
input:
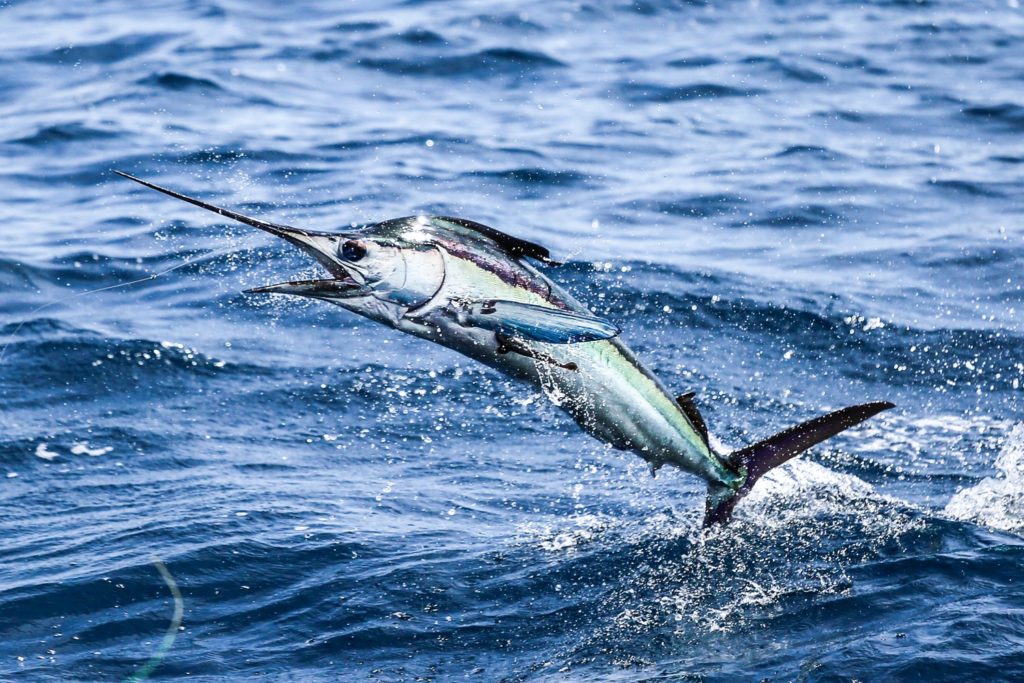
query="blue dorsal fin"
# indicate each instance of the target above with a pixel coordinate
(513, 246)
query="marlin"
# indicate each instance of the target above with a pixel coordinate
(478, 291)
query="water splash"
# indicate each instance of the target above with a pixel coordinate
(996, 502)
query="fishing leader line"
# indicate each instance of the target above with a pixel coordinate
(188, 260)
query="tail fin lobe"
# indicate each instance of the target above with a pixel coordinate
(768, 454)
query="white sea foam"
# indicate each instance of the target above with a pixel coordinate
(82, 448)
(45, 453)
(996, 502)
(564, 536)
(797, 493)
(812, 488)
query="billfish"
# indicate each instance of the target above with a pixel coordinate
(477, 290)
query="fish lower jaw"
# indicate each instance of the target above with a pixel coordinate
(313, 288)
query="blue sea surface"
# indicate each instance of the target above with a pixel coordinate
(787, 206)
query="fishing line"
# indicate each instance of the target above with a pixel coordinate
(188, 260)
(172, 629)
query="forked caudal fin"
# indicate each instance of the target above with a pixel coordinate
(766, 455)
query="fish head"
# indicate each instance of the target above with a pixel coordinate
(386, 269)
(380, 271)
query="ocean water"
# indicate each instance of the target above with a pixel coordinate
(788, 207)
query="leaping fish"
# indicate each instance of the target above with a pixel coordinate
(476, 290)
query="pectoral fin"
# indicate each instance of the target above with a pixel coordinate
(536, 323)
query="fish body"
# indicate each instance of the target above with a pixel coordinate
(609, 393)
(477, 290)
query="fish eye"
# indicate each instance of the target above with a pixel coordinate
(352, 251)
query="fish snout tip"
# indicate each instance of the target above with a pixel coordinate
(129, 176)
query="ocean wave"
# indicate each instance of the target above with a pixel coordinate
(654, 93)
(816, 151)
(1008, 115)
(172, 80)
(483, 64)
(533, 176)
(417, 37)
(62, 133)
(110, 51)
(973, 189)
(79, 365)
(45, 328)
(417, 140)
(800, 217)
(693, 62)
(703, 206)
(89, 270)
(358, 26)
(775, 66)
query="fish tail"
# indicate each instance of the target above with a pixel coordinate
(757, 460)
